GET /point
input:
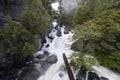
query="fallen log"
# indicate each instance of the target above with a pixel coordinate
(70, 73)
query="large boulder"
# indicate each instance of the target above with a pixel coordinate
(40, 56)
(28, 73)
(52, 59)
(93, 76)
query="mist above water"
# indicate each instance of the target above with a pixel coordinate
(70, 6)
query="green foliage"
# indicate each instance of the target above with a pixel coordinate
(84, 13)
(66, 19)
(17, 40)
(110, 61)
(45, 3)
(89, 11)
(98, 32)
(79, 59)
(35, 18)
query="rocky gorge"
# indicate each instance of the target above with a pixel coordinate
(47, 62)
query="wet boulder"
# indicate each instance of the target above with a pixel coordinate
(40, 56)
(66, 30)
(46, 53)
(44, 67)
(93, 76)
(68, 27)
(51, 59)
(61, 74)
(82, 74)
(47, 45)
(51, 37)
(59, 32)
(29, 73)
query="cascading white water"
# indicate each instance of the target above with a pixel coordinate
(102, 71)
(58, 46)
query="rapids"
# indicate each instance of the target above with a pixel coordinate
(58, 46)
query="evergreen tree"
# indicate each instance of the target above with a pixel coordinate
(98, 32)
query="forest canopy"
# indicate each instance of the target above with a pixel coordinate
(97, 28)
(20, 39)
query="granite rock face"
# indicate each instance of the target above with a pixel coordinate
(14, 8)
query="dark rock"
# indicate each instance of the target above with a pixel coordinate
(68, 27)
(43, 40)
(75, 46)
(103, 78)
(42, 62)
(82, 73)
(52, 59)
(2, 21)
(47, 45)
(6, 63)
(15, 7)
(14, 2)
(56, 26)
(46, 52)
(2, 16)
(93, 76)
(36, 60)
(10, 77)
(12, 7)
(15, 11)
(61, 74)
(29, 73)
(59, 32)
(44, 67)
(66, 32)
(51, 37)
(40, 56)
